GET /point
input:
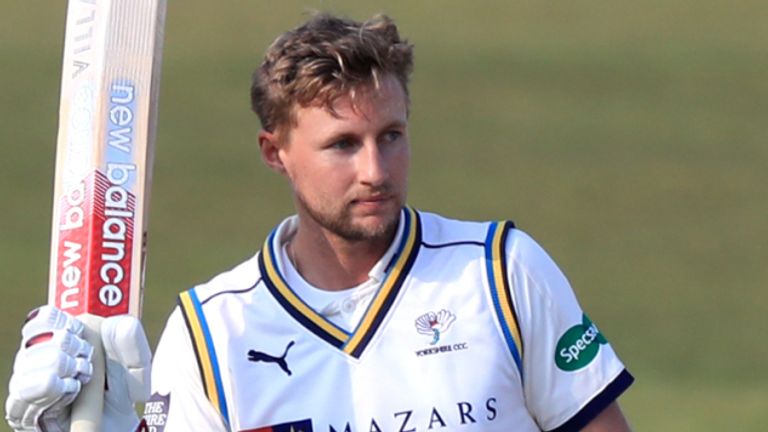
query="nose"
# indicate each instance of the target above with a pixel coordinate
(372, 167)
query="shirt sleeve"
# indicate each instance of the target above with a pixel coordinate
(570, 371)
(178, 401)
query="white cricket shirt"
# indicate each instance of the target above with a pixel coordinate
(472, 328)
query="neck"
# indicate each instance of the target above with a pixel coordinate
(332, 263)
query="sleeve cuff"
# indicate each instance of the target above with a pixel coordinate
(597, 404)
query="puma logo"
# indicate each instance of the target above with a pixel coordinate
(258, 356)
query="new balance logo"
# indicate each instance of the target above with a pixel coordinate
(258, 356)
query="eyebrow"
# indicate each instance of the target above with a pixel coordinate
(396, 124)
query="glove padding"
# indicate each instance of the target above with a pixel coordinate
(129, 361)
(54, 362)
(50, 368)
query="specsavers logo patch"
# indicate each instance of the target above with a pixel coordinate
(578, 346)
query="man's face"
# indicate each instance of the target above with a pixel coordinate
(349, 166)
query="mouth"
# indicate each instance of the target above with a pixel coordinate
(373, 202)
(373, 199)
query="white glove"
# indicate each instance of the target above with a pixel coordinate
(53, 363)
(51, 366)
(129, 363)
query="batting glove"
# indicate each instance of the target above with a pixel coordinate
(128, 371)
(54, 362)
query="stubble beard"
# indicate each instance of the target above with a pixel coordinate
(340, 223)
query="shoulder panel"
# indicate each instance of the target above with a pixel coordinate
(439, 230)
(240, 279)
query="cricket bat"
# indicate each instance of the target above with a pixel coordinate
(104, 154)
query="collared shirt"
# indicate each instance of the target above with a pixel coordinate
(346, 307)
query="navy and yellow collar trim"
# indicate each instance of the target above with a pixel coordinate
(353, 343)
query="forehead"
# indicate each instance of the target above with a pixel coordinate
(374, 103)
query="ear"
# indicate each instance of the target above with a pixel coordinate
(269, 147)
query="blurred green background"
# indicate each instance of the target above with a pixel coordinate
(630, 138)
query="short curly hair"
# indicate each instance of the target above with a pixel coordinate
(323, 59)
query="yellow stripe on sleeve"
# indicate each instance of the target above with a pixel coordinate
(201, 348)
(502, 286)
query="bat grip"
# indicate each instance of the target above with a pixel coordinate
(89, 405)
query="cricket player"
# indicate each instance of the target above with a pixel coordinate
(359, 312)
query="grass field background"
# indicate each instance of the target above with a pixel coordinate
(629, 138)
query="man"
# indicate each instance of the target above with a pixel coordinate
(359, 312)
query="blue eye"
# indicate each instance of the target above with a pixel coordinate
(392, 136)
(343, 144)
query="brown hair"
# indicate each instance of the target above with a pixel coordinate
(323, 59)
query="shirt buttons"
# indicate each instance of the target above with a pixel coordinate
(348, 306)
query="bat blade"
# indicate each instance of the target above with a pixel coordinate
(104, 155)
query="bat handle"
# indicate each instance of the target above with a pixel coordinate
(89, 405)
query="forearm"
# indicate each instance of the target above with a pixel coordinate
(611, 419)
